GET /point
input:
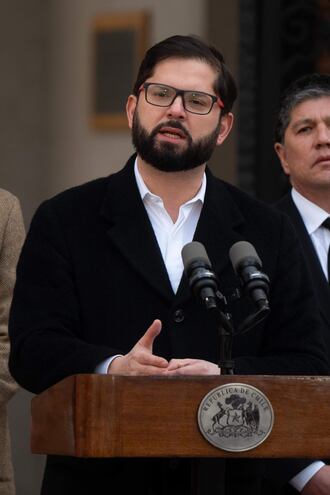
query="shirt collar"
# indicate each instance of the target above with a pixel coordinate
(147, 194)
(312, 215)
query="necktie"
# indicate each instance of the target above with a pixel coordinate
(326, 224)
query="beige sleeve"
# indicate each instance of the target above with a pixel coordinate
(11, 240)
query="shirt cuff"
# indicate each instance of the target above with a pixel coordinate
(301, 479)
(102, 368)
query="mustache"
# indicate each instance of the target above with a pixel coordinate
(170, 123)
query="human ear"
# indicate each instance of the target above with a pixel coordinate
(281, 153)
(226, 123)
(130, 109)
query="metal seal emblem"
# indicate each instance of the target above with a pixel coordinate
(235, 417)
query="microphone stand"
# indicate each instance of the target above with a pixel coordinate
(216, 307)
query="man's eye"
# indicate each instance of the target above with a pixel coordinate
(303, 130)
(158, 92)
(197, 102)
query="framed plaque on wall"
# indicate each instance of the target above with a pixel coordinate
(119, 43)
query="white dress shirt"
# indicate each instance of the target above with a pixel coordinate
(171, 236)
(313, 217)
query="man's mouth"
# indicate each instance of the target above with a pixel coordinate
(172, 133)
(324, 158)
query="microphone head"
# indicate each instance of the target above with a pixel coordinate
(242, 252)
(192, 252)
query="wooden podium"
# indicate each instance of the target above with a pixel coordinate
(122, 416)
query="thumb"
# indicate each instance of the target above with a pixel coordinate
(148, 338)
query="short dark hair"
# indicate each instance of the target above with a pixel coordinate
(189, 47)
(307, 87)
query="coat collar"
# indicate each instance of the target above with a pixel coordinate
(130, 230)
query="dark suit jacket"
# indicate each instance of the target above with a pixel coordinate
(91, 279)
(320, 283)
(280, 472)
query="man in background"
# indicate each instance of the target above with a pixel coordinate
(100, 284)
(302, 143)
(11, 240)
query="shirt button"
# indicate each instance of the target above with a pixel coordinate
(178, 315)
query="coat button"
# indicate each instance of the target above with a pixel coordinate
(178, 315)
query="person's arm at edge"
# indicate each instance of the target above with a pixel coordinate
(12, 240)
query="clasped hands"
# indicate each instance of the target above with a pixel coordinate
(141, 360)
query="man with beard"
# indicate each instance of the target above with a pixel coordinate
(100, 285)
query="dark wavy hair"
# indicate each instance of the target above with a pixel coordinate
(305, 88)
(190, 47)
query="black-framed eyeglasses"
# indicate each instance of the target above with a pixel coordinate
(197, 102)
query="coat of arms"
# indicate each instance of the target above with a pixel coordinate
(235, 417)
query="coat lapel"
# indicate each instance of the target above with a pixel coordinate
(218, 226)
(130, 230)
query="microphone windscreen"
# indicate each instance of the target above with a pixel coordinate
(240, 251)
(194, 251)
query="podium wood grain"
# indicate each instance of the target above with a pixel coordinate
(122, 416)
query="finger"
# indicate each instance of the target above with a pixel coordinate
(150, 370)
(147, 340)
(195, 367)
(147, 359)
(183, 370)
(177, 363)
(139, 363)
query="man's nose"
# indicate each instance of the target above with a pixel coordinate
(323, 135)
(176, 109)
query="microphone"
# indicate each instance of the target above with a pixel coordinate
(247, 266)
(204, 284)
(202, 279)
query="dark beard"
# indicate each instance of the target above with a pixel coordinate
(167, 157)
